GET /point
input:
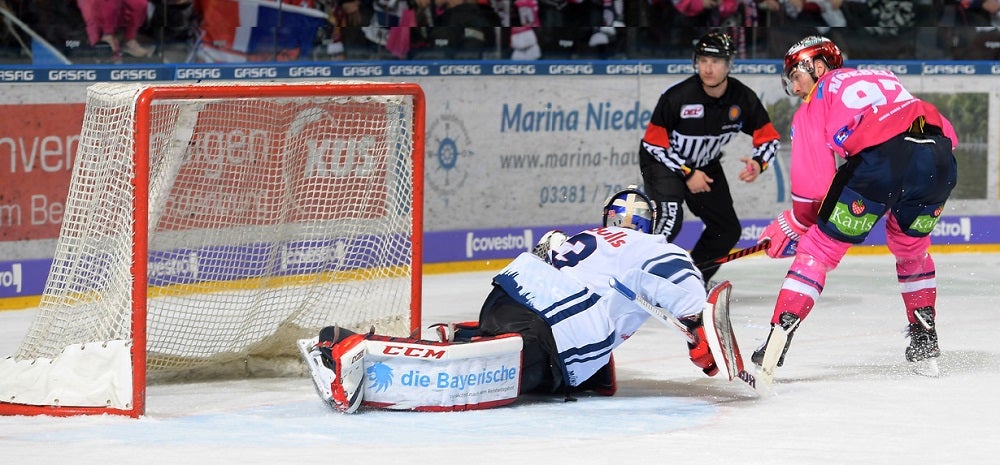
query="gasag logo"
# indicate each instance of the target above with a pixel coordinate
(447, 146)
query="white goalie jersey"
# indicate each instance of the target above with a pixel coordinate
(573, 295)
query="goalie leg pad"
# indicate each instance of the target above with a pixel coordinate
(413, 374)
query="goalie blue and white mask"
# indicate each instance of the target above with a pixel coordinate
(630, 209)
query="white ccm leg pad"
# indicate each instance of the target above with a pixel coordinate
(410, 374)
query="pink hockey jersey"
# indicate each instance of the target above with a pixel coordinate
(847, 111)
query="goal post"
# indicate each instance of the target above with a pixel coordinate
(210, 226)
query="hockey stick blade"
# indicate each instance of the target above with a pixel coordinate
(772, 353)
(659, 313)
(762, 245)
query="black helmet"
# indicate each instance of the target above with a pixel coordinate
(715, 44)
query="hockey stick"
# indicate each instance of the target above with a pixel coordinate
(762, 245)
(659, 313)
(727, 348)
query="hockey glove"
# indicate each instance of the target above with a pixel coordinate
(701, 354)
(784, 233)
(549, 241)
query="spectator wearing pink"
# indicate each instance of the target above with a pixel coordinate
(104, 19)
(694, 8)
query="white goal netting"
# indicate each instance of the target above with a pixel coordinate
(269, 214)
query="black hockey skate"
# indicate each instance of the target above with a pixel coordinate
(329, 337)
(789, 322)
(923, 336)
(923, 351)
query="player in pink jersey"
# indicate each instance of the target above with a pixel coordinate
(899, 163)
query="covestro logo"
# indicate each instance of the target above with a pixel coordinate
(510, 241)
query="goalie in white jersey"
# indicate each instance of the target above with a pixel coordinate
(549, 326)
(587, 318)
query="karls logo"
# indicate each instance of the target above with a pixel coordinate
(12, 278)
(692, 111)
(510, 241)
(961, 229)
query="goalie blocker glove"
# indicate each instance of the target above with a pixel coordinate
(701, 354)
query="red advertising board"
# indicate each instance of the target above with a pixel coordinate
(37, 145)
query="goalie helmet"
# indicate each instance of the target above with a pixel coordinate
(800, 57)
(630, 209)
(550, 240)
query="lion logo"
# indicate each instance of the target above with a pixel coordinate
(380, 376)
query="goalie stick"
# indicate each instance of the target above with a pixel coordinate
(762, 245)
(720, 334)
(722, 340)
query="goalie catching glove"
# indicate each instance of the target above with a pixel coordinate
(784, 233)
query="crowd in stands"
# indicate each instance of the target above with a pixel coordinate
(171, 31)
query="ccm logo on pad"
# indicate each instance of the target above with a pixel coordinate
(692, 111)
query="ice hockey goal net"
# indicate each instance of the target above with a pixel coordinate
(210, 225)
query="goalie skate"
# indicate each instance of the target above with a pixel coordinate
(336, 362)
(321, 375)
(720, 335)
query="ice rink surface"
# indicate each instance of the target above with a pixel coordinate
(844, 396)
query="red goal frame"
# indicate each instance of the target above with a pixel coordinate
(140, 183)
